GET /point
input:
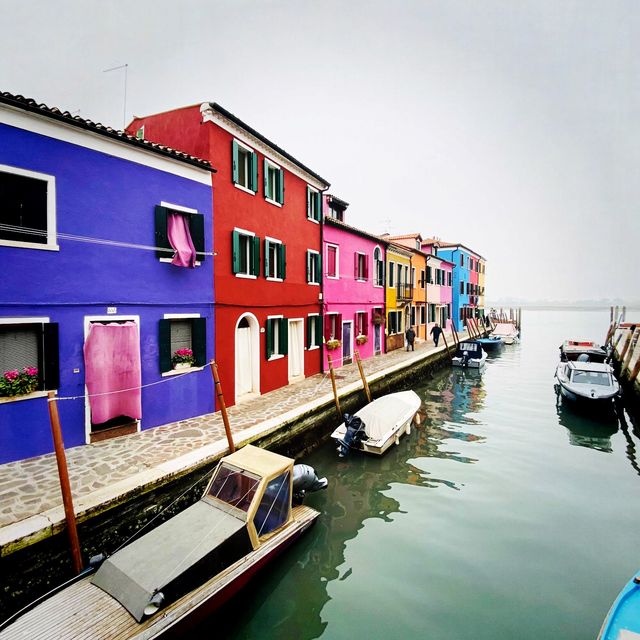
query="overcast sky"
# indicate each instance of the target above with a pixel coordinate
(511, 126)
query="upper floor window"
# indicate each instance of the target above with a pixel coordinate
(245, 167)
(179, 235)
(462, 287)
(314, 204)
(461, 260)
(448, 278)
(273, 182)
(391, 278)
(245, 253)
(361, 266)
(28, 209)
(379, 267)
(275, 261)
(332, 261)
(313, 267)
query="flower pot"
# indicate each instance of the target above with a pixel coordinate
(182, 365)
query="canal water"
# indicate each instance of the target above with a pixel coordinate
(502, 516)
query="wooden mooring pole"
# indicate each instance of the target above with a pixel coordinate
(454, 333)
(65, 485)
(447, 347)
(222, 405)
(365, 384)
(332, 373)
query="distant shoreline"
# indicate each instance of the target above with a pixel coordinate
(551, 307)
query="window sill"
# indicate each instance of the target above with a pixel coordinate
(313, 348)
(270, 279)
(361, 280)
(28, 396)
(170, 260)
(379, 286)
(248, 276)
(243, 188)
(333, 277)
(274, 202)
(314, 284)
(29, 245)
(313, 220)
(276, 356)
(179, 372)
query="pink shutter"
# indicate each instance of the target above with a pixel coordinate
(365, 328)
(355, 265)
(366, 267)
(338, 318)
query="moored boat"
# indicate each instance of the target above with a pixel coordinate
(379, 424)
(591, 384)
(573, 349)
(507, 331)
(180, 572)
(490, 343)
(469, 354)
(623, 620)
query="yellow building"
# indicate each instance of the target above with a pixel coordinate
(399, 295)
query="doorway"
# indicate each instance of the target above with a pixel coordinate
(377, 339)
(247, 357)
(296, 349)
(347, 342)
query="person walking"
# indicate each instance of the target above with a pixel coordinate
(436, 331)
(410, 335)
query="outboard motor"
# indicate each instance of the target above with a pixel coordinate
(305, 479)
(465, 359)
(354, 435)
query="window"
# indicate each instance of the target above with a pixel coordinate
(313, 267)
(462, 287)
(471, 266)
(361, 266)
(245, 253)
(461, 260)
(314, 204)
(391, 278)
(379, 267)
(448, 278)
(245, 167)
(432, 313)
(233, 486)
(314, 330)
(413, 316)
(28, 211)
(362, 323)
(336, 212)
(165, 232)
(422, 279)
(413, 276)
(417, 244)
(30, 343)
(275, 259)
(422, 314)
(273, 182)
(332, 261)
(333, 326)
(448, 311)
(395, 322)
(179, 332)
(273, 510)
(429, 275)
(277, 335)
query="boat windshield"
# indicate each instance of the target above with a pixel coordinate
(591, 377)
(234, 486)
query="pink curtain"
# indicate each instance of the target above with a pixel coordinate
(180, 239)
(112, 363)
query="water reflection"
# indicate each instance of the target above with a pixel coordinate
(585, 430)
(359, 490)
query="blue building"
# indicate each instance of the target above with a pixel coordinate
(107, 272)
(468, 279)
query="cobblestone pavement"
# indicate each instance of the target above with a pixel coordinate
(30, 487)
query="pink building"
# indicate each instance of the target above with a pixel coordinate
(353, 276)
(439, 292)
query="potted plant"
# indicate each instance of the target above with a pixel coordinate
(19, 383)
(361, 338)
(333, 344)
(182, 359)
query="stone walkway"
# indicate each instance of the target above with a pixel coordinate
(30, 488)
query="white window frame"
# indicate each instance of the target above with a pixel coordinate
(180, 316)
(336, 315)
(249, 150)
(180, 209)
(274, 241)
(247, 276)
(312, 202)
(360, 313)
(363, 277)
(337, 248)
(272, 165)
(316, 343)
(51, 244)
(375, 267)
(318, 274)
(276, 340)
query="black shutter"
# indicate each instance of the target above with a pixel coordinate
(163, 248)
(164, 345)
(196, 226)
(50, 360)
(199, 341)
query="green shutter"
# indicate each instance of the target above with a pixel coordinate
(254, 172)
(318, 212)
(196, 226)
(280, 182)
(319, 267)
(163, 248)
(310, 319)
(164, 345)
(51, 374)
(318, 320)
(269, 338)
(234, 160)
(255, 257)
(265, 179)
(308, 201)
(199, 341)
(308, 267)
(235, 248)
(266, 259)
(282, 263)
(284, 336)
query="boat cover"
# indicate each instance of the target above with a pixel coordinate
(383, 414)
(504, 329)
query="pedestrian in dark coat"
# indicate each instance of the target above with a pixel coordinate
(436, 331)
(410, 335)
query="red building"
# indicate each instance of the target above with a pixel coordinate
(267, 243)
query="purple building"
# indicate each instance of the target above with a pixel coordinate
(106, 293)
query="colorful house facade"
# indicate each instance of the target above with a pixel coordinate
(399, 295)
(353, 289)
(466, 290)
(107, 280)
(268, 246)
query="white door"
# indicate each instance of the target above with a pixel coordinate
(244, 368)
(296, 349)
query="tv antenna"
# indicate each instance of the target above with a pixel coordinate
(125, 67)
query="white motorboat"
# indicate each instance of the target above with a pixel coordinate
(591, 384)
(507, 331)
(469, 354)
(574, 349)
(378, 425)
